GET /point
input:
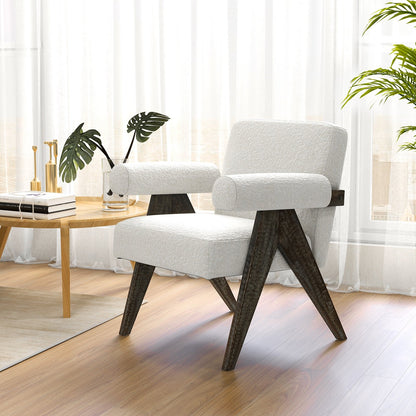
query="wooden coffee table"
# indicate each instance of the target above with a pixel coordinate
(89, 214)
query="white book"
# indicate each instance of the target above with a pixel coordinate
(37, 216)
(40, 209)
(37, 198)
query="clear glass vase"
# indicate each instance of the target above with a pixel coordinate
(111, 200)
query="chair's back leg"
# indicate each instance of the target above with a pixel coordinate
(140, 280)
(295, 249)
(180, 204)
(221, 286)
(261, 251)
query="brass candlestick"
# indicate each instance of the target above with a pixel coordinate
(55, 153)
(50, 172)
(35, 183)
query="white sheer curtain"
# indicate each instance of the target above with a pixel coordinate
(206, 64)
(376, 234)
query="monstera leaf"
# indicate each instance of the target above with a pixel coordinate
(143, 126)
(78, 151)
(79, 148)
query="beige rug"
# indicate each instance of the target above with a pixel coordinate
(31, 321)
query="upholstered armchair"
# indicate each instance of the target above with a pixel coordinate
(274, 208)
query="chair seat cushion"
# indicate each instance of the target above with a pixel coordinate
(204, 244)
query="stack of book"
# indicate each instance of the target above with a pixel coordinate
(37, 205)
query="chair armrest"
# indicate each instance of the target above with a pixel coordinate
(271, 191)
(158, 178)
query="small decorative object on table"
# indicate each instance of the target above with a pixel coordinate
(79, 149)
(111, 200)
(51, 175)
(35, 183)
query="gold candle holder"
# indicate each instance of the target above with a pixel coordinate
(50, 171)
(55, 153)
(35, 182)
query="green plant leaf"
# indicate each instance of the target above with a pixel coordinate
(405, 11)
(399, 80)
(405, 56)
(405, 129)
(385, 83)
(145, 124)
(408, 145)
(77, 152)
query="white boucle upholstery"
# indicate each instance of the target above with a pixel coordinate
(286, 147)
(158, 178)
(204, 245)
(258, 146)
(215, 245)
(270, 191)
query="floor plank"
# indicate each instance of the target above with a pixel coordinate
(402, 399)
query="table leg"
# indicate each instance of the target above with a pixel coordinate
(66, 282)
(4, 234)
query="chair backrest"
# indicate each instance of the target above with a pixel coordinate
(295, 147)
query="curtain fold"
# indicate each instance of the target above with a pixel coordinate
(206, 64)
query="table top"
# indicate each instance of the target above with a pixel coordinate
(89, 214)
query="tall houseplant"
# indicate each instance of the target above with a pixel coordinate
(399, 79)
(80, 146)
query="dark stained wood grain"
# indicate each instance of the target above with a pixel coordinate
(140, 280)
(294, 247)
(262, 248)
(221, 286)
(337, 198)
(277, 230)
(170, 204)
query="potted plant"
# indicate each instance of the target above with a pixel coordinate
(80, 146)
(399, 79)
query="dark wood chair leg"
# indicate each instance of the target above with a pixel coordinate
(139, 283)
(262, 248)
(142, 273)
(294, 247)
(221, 286)
(277, 230)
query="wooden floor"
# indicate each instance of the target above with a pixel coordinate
(171, 363)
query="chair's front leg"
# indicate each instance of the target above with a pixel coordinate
(142, 273)
(261, 251)
(139, 283)
(277, 230)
